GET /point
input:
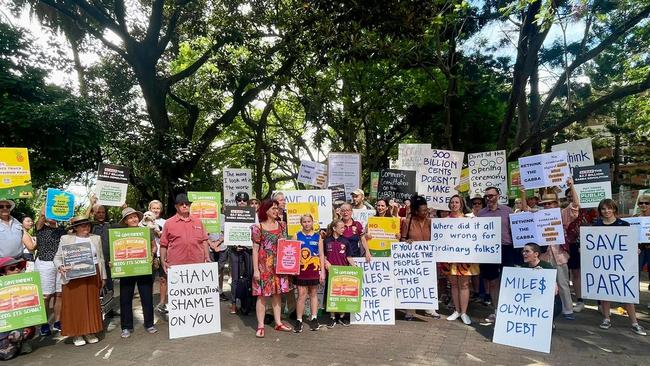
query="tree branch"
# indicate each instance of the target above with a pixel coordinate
(581, 114)
(586, 56)
(193, 114)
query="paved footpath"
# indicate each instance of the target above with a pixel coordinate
(422, 342)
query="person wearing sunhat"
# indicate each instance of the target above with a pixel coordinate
(81, 313)
(184, 239)
(558, 255)
(131, 219)
(476, 204)
(14, 342)
(13, 239)
(533, 202)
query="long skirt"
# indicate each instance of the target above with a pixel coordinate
(81, 311)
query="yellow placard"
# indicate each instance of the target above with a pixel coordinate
(383, 231)
(295, 211)
(15, 177)
(464, 181)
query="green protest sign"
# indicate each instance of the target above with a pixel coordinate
(130, 251)
(514, 181)
(21, 301)
(205, 207)
(344, 289)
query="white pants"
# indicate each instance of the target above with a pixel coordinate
(50, 277)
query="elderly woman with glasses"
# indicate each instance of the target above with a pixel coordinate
(81, 313)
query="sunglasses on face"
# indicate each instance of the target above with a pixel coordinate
(490, 195)
(241, 200)
(644, 203)
(5, 206)
(477, 203)
(184, 204)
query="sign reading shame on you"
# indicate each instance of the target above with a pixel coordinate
(193, 291)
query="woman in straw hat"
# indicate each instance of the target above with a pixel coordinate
(131, 218)
(81, 313)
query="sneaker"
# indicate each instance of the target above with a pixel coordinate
(455, 315)
(56, 326)
(569, 316)
(432, 313)
(491, 319)
(91, 339)
(408, 317)
(162, 308)
(151, 330)
(298, 327)
(314, 324)
(125, 333)
(580, 306)
(606, 324)
(466, 319)
(78, 341)
(344, 321)
(45, 330)
(636, 328)
(233, 308)
(331, 323)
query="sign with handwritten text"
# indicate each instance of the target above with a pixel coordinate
(543, 227)
(467, 240)
(416, 280)
(193, 291)
(377, 293)
(609, 263)
(642, 223)
(236, 180)
(544, 170)
(322, 197)
(439, 176)
(525, 312)
(488, 169)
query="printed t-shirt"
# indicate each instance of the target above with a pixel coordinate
(309, 260)
(337, 250)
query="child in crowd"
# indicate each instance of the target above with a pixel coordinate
(14, 342)
(335, 250)
(310, 272)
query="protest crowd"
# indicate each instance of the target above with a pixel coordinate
(287, 252)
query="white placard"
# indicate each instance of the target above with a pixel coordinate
(467, 240)
(362, 215)
(378, 293)
(525, 312)
(344, 169)
(488, 169)
(323, 197)
(543, 227)
(544, 170)
(409, 156)
(609, 264)
(236, 180)
(312, 173)
(642, 223)
(439, 176)
(579, 152)
(237, 233)
(416, 280)
(193, 291)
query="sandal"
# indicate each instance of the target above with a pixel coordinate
(260, 332)
(282, 328)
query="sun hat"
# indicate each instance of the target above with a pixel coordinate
(129, 211)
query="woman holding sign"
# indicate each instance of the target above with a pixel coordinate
(131, 218)
(459, 274)
(417, 227)
(266, 283)
(81, 313)
(608, 216)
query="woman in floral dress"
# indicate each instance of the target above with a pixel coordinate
(266, 283)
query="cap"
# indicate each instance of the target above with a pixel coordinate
(241, 196)
(358, 192)
(181, 198)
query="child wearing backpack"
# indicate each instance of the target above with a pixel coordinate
(335, 250)
(310, 272)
